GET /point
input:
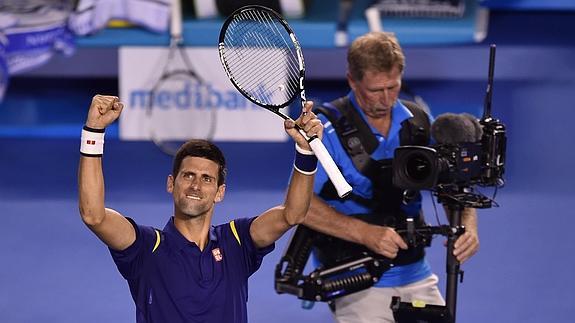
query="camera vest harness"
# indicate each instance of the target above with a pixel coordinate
(359, 142)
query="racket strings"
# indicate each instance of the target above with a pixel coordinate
(245, 71)
(175, 112)
(280, 36)
(269, 83)
(168, 70)
(176, 108)
(261, 55)
(262, 58)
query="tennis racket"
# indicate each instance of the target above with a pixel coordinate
(173, 113)
(263, 60)
(341, 30)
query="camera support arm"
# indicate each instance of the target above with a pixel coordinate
(324, 283)
(406, 312)
(452, 232)
(452, 264)
(348, 275)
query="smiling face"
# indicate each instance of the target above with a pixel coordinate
(195, 188)
(376, 92)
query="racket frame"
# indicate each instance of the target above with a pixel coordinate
(176, 47)
(339, 182)
(275, 108)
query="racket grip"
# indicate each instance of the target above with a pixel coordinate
(339, 182)
(176, 19)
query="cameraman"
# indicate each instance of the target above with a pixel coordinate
(375, 69)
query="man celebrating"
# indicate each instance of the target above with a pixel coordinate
(191, 271)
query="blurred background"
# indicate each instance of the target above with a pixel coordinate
(55, 55)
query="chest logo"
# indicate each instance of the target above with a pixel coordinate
(217, 254)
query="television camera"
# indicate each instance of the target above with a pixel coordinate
(467, 152)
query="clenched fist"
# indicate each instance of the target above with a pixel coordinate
(104, 110)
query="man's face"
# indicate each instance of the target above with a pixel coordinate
(377, 92)
(195, 189)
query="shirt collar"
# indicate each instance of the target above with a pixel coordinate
(399, 112)
(180, 240)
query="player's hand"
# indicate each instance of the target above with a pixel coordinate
(307, 121)
(382, 240)
(104, 110)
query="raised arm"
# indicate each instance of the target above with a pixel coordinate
(110, 226)
(269, 226)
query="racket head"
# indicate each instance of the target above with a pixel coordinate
(262, 57)
(177, 110)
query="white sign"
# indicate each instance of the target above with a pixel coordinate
(187, 109)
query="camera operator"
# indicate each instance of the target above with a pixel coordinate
(375, 68)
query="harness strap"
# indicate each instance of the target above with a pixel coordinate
(359, 142)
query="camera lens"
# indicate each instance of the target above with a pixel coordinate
(418, 167)
(415, 167)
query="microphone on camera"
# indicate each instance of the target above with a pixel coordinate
(451, 128)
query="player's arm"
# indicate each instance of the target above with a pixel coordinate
(269, 226)
(109, 225)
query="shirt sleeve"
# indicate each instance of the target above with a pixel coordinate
(130, 260)
(252, 254)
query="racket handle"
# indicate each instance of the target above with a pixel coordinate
(339, 182)
(176, 19)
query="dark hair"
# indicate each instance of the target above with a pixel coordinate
(374, 51)
(204, 149)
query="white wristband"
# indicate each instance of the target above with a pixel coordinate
(92, 143)
(303, 151)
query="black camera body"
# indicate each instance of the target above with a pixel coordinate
(424, 168)
(469, 152)
(494, 145)
(453, 165)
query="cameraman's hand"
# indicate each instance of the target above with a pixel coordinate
(466, 245)
(382, 240)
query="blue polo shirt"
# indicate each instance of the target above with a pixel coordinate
(362, 186)
(171, 280)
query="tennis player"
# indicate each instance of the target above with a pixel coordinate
(191, 270)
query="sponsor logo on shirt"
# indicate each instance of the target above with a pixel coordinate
(217, 254)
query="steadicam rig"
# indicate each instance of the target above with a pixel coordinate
(345, 275)
(450, 171)
(342, 277)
